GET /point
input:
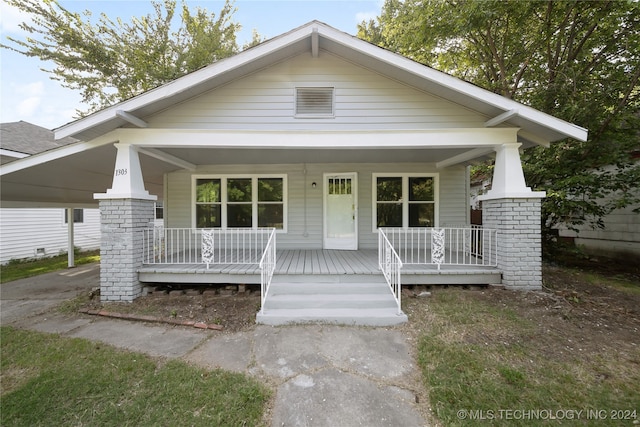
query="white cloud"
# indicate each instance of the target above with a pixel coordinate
(27, 107)
(11, 18)
(34, 89)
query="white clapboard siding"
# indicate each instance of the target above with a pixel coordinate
(266, 100)
(305, 218)
(24, 231)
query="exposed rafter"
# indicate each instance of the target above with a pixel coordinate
(131, 119)
(528, 136)
(165, 157)
(501, 118)
(464, 157)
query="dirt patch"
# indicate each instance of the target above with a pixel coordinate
(578, 315)
(223, 305)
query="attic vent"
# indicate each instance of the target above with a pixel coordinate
(314, 101)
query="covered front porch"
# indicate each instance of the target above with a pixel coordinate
(361, 286)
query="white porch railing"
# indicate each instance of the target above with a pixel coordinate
(209, 246)
(214, 246)
(390, 265)
(459, 246)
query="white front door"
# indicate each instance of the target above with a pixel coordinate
(340, 211)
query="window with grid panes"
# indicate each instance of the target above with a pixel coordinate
(404, 201)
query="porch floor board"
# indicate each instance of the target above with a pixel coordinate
(308, 265)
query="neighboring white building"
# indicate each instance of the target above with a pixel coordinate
(38, 232)
(619, 238)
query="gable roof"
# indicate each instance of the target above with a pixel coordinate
(27, 138)
(536, 126)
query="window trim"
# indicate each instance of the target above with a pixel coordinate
(405, 197)
(254, 198)
(317, 115)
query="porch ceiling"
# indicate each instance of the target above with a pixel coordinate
(71, 181)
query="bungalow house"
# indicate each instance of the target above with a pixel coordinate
(37, 230)
(324, 168)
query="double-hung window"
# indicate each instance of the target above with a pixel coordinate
(240, 201)
(405, 200)
(78, 216)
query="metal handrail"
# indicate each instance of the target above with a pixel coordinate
(390, 264)
(267, 267)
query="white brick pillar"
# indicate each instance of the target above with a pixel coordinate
(519, 241)
(126, 210)
(122, 222)
(514, 211)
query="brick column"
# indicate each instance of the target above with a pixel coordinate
(121, 247)
(519, 240)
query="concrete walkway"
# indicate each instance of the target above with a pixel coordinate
(324, 375)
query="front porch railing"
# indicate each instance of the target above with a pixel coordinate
(458, 246)
(390, 265)
(209, 246)
(214, 246)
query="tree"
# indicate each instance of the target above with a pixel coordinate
(110, 61)
(579, 61)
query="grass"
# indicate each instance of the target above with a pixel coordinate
(52, 380)
(483, 356)
(21, 269)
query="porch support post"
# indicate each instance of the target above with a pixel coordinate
(514, 211)
(71, 261)
(125, 210)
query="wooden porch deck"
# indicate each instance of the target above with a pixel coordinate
(311, 265)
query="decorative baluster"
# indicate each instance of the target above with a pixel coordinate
(208, 247)
(437, 246)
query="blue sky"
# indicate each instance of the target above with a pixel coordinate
(27, 93)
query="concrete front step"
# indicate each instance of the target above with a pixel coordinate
(364, 303)
(339, 316)
(283, 301)
(325, 288)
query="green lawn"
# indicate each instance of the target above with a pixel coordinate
(18, 269)
(484, 358)
(50, 380)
